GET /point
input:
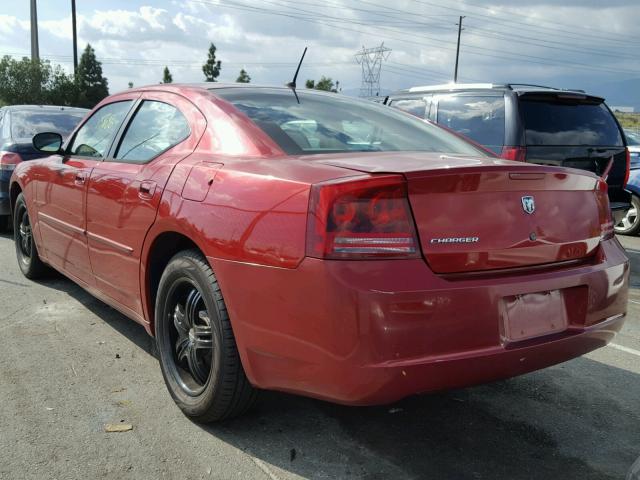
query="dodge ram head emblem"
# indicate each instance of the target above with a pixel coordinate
(528, 204)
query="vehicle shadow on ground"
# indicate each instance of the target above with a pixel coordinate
(125, 326)
(525, 428)
(535, 426)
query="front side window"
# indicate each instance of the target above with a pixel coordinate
(633, 139)
(155, 127)
(95, 136)
(333, 123)
(481, 118)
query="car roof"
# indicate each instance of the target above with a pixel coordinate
(46, 108)
(213, 86)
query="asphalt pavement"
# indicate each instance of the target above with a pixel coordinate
(69, 365)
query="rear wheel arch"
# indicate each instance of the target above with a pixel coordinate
(161, 250)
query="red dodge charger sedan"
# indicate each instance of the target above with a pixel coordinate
(319, 245)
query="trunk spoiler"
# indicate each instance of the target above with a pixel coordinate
(561, 95)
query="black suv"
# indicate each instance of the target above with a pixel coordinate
(530, 123)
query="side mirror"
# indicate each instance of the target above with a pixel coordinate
(47, 142)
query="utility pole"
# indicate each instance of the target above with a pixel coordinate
(35, 50)
(75, 38)
(455, 73)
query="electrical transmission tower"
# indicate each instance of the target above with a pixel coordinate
(371, 60)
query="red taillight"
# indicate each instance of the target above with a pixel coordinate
(626, 175)
(519, 154)
(604, 210)
(365, 218)
(9, 160)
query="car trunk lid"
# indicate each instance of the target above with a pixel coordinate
(479, 214)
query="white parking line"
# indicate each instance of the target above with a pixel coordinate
(634, 301)
(632, 351)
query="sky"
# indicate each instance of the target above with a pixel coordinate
(564, 43)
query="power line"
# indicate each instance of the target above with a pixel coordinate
(564, 26)
(471, 50)
(511, 21)
(518, 39)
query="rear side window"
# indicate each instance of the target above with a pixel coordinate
(95, 136)
(481, 118)
(414, 106)
(633, 139)
(555, 123)
(155, 127)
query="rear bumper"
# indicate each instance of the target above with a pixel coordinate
(373, 332)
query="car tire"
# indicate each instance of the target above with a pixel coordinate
(26, 250)
(199, 358)
(630, 223)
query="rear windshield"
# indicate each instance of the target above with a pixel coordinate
(334, 123)
(555, 123)
(481, 118)
(25, 124)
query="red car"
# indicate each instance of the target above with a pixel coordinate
(319, 245)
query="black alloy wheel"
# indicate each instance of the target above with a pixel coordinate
(198, 355)
(26, 251)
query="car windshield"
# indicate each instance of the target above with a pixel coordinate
(26, 123)
(633, 138)
(334, 123)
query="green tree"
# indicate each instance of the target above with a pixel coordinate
(23, 81)
(130, 84)
(324, 83)
(243, 77)
(166, 76)
(211, 68)
(61, 88)
(35, 82)
(92, 86)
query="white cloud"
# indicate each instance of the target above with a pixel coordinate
(8, 24)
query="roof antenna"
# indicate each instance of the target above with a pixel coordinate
(292, 84)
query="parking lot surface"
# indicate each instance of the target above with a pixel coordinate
(69, 364)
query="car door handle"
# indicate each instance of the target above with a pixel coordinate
(81, 178)
(147, 189)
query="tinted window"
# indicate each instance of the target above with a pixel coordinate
(95, 136)
(414, 106)
(632, 138)
(323, 123)
(155, 128)
(481, 118)
(554, 123)
(25, 124)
